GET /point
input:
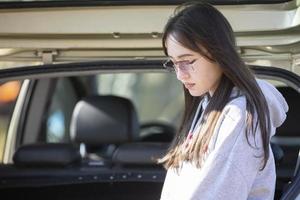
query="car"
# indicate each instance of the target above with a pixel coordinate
(86, 107)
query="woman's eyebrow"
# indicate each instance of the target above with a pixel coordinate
(182, 56)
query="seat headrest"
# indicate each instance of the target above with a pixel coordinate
(104, 120)
(145, 154)
(47, 155)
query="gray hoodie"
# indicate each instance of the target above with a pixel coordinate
(232, 167)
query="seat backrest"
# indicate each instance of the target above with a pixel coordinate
(101, 122)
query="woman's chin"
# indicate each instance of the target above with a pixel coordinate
(196, 93)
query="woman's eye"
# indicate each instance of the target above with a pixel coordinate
(191, 62)
(185, 62)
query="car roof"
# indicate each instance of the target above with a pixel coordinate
(267, 34)
(63, 3)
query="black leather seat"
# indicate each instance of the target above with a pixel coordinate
(47, 155)
(140, 154)
(108, 127)
(101, 123)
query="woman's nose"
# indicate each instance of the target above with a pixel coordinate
(182, 75)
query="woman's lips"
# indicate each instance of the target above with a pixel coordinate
(189, 85)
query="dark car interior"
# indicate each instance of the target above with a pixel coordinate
(109, 154)
(105, 154)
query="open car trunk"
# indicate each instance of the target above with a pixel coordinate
(66, 52)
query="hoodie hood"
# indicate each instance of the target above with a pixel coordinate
(278, 106)
(276, 103)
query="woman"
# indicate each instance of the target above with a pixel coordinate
(222, 150)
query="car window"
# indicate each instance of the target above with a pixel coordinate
(156, 96)
(60, 110)
(8, 94)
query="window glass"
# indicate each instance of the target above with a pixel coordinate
(60, 112)
(156, 96)
(9, 92)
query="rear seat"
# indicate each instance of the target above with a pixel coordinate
(100, 123)
(108, 128)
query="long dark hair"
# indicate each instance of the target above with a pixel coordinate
(202, 28)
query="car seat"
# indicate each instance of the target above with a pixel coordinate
(100, 123)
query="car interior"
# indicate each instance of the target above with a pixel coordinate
(103, 144)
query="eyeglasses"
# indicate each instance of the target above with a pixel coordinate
(185, 66)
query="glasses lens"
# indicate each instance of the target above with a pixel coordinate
(186, 66)
(169, 65)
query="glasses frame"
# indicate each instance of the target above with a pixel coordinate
(185, 65)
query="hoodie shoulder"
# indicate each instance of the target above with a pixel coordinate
(236, 107)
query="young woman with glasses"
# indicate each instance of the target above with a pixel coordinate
(222, 149)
